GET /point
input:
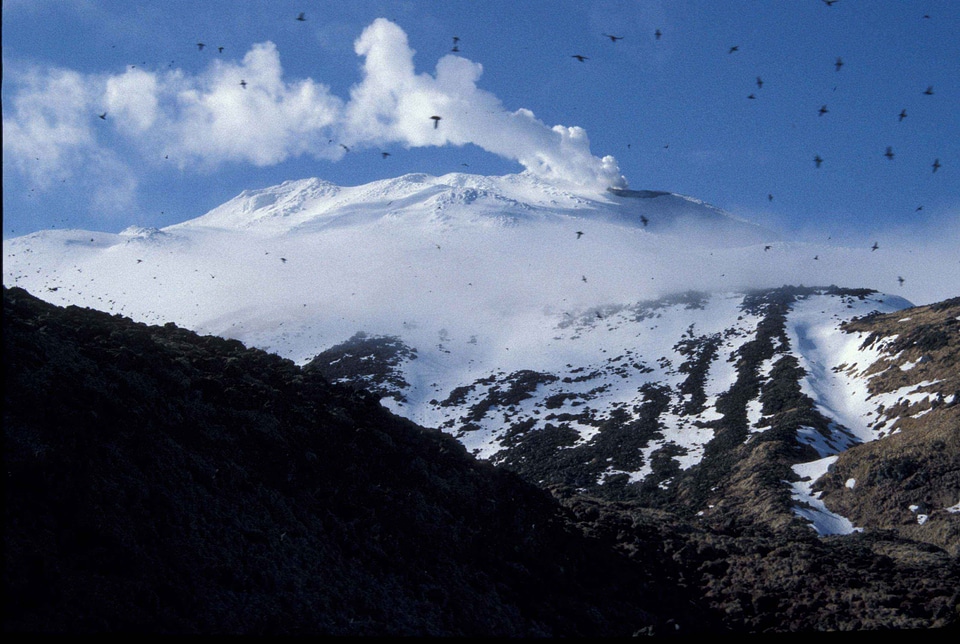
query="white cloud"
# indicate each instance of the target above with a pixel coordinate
(215, 118)
(131, 100)
(246, 112)
(48, 131)
(50, 135)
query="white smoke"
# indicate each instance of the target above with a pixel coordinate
(246, 112)
(394, 105)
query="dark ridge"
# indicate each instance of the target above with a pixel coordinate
(372, 363)
(638, 194)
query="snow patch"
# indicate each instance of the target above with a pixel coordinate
(810, 507)
(834, 361)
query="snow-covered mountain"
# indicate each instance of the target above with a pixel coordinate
(626, 342)
(298, 267)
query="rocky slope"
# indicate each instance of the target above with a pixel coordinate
(708, 406)
(909, 481)
(161, 481)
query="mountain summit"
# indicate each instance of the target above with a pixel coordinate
(508, 201)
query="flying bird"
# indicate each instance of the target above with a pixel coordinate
(584, 278)
(344, 147)
(384, 154)
(436, 121)
(103, 116)
(838, 64)
(829, 3)
(817, 257)
(936, 164)
(759, 82)
(657, 34)
(200, 46)
(752, 96)
(817, 160)
(903, 114)
(579, 57)
(579, 234)
(644, 220)
(456, 41)
(823, 110)
(770, 197)
(766, 248)
(219, 50)
(889, 153)
(929, 91)
(875, 246)
(613, 38)
(243, 84)
(734, 48)
(900, 279)
(301, 17)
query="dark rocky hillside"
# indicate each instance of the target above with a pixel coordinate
(164, 482)
(758, 580)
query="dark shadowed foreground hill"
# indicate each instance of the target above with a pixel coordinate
(158, 481)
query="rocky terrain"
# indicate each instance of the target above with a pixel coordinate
(904, 481)
(724, 415)
(160, 481)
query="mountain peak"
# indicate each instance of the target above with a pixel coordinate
(253, 207)
(473, 199)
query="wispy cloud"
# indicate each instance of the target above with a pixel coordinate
(50, 137)
(48, 133)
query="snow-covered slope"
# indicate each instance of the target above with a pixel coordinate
(611, 336)
(326, 261)
(298, 267)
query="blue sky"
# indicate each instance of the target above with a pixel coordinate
(671, 113)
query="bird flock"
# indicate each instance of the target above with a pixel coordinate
(838, 65)
(659, 35)
(818, 160)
